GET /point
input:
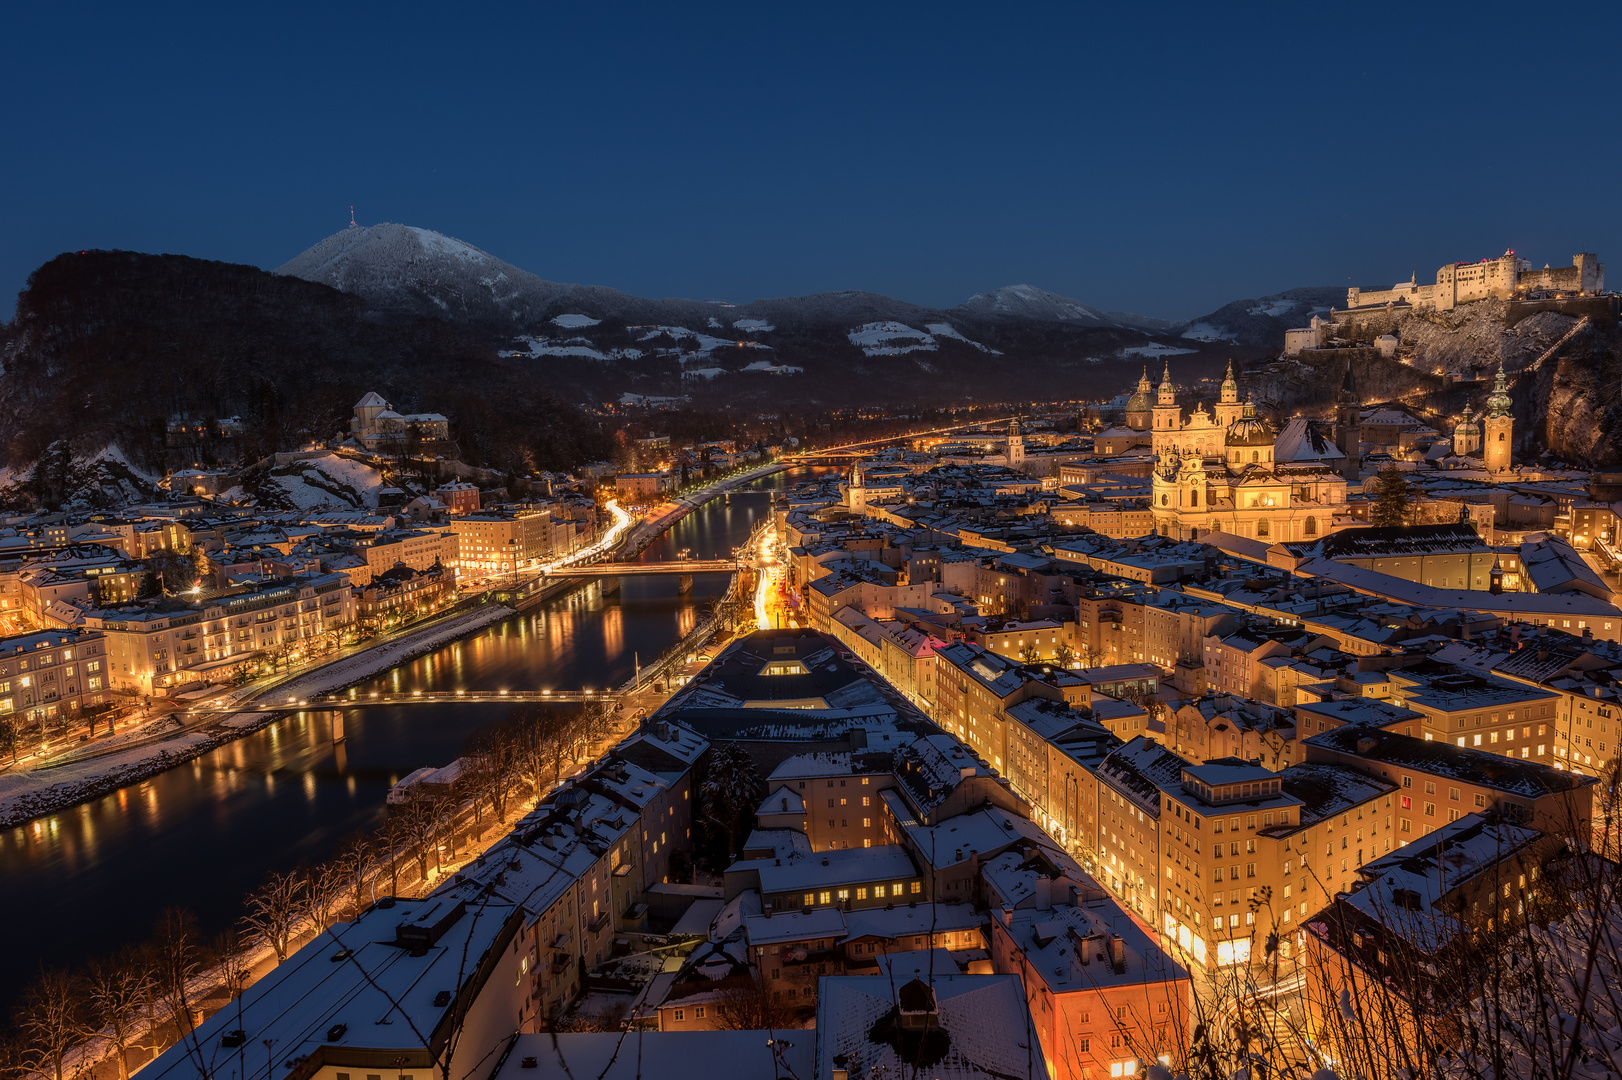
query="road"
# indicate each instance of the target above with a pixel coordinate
(802, 455)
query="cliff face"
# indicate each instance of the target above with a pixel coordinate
(1565, 388)
(1574, 404)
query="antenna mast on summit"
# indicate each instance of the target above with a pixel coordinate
(352, 222)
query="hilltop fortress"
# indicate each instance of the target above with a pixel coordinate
(1504, 278)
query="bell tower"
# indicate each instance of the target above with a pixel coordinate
(1016, 446)
(1349, 427)
(1228, 407)
(857, 490)
(1498, 427)
(1168, 415)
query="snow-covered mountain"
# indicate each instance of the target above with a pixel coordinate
(602, 344)
(405, 269)
(1261, 322)
(1027, 301)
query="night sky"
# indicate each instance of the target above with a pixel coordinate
(1160, 159)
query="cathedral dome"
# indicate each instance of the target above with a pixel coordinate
(1251, 430)
(1139, 402)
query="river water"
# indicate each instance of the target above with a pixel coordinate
(89, 880)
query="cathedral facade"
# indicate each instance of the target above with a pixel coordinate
(1216, 473)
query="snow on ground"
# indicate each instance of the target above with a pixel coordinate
(753, 325)
(715, 324)
(1204, 331)
(703, 372)
(380, 658)
(572, 321)
(947, 330)
(1155, 349)
(113, 452)
(701, 342)
(27, 793)
(331, 481)
(356, 474)
(1277, 308)
(879, 338)
(446, 245)
(775, 369)
(653, 400)
(539, 347)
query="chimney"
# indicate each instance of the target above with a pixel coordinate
(1117, 954)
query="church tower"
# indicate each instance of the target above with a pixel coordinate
(1016, 446)
(856, 493)
(1168, 415)
(1498, 427)
(1349, 427)
(1228, 407)
(1466, 435)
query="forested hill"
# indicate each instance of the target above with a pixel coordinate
(107, 345)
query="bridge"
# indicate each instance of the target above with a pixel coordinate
(673, 566)
(440, 697)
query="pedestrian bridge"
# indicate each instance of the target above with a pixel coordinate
(673, 566)
(441, 697)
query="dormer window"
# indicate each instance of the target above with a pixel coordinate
(785, 667)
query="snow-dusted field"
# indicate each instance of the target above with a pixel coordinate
(1155, 349)
(890, 338)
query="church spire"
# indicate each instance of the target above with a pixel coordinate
(1500, 402)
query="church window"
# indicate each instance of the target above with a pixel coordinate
(1311, 526)
(1500, 436)
(1194, 497)
(1165, 500)
(1255, 455)
(1261, 527)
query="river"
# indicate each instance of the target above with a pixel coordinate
(92, 879)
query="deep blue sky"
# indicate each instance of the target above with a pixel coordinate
(1158, 158)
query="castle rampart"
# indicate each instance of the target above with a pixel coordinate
(1503, 278)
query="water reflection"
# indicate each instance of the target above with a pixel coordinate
(202, 835)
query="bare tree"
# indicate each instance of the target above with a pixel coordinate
(176, 960)
(229, 955)
(491, 775)
(120, 992)
(354, 864)
(750, 1008)
(52, 1022)
(275, 909)
(323, 893)
(418, 829)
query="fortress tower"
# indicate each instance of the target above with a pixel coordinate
(1016, 446)
(1498, 427)
(1349, 427)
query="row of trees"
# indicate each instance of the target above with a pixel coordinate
(148, 997)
